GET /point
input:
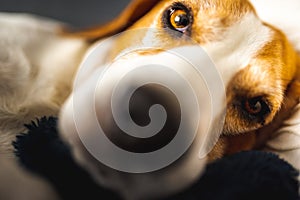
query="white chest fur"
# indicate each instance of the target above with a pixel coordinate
(36, 71)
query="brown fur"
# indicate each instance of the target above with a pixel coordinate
(275, 79)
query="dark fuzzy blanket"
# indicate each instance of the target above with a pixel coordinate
(246, 175)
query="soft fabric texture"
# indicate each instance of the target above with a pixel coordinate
(42, 152)
(286, 141)
(246, 175)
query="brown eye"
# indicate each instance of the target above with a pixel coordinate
(180, 20)
(178, 17)
(256, 107)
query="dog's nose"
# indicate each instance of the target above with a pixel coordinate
(142, 103)
(151, 105)
(142, 114)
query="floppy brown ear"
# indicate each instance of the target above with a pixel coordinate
(133, 12)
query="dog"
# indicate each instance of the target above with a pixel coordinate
(258, 64)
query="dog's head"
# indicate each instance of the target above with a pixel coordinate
(255, 60)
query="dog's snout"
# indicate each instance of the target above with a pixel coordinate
(148, 104)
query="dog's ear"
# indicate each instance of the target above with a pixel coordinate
(133, 12)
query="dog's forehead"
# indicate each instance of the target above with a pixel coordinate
(229, 31)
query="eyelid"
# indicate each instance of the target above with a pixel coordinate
(183, 29)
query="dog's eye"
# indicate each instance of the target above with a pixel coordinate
(256, 107)
(180, 20)
(178, 17)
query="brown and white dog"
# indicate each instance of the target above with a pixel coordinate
(258, 64)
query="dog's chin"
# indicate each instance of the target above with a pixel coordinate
(164, 182)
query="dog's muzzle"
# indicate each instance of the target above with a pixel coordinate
(154, 116)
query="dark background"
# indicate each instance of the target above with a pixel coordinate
(79, 13)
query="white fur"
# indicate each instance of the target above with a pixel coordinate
(238, 46)
(284, 15)
(35, 63)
